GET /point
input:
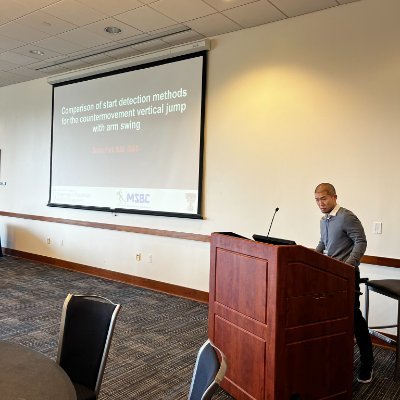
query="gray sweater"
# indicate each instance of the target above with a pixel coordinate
(342, 237)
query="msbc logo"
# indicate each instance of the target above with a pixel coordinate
(138, 198)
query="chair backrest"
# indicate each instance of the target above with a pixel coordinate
(87, 325)
(209, 370)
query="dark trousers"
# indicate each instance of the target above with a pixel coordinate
(361, 332)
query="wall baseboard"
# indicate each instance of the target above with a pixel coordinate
(380, 343)
(175, 290)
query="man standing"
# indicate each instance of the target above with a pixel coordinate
(343, 238)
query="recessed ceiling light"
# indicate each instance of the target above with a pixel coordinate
(113, 30)
(37, 52)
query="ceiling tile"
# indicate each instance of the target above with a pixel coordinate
(37, 4)
(7, 66)
(212, 25)
(28, 72)
(99, 28)
(84, 37)
(293, 8)
(183, 10)
(16, 58)
(7, 43)
(74, 12)
(45, 23)
(59, 45)
(112, 7)
(145, 19)
(222, 5)
(11, 77)
(12, 9)
(26, 51)
(6, 82)
(254, 14)
(23, 33)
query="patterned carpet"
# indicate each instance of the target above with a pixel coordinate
(156, 338)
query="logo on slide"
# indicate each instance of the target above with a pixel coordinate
(133, 199)
(121, 197)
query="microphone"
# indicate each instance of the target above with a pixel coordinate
(276, 210)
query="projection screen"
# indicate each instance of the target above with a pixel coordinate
(131, 140)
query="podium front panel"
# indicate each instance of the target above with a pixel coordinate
(314, 369)
(241, 284)
(248, 351)
(313, 295)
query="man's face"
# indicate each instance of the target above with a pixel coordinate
(325, 201)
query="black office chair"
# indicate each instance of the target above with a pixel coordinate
(87, 325)
(209, 371)
(389, 288)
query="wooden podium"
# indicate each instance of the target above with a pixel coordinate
(283, 316)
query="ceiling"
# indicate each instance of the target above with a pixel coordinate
(39, 38)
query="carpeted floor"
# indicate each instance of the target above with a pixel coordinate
(156, 338)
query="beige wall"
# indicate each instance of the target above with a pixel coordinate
(290, 104)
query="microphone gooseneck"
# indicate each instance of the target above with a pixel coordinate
(269, 230)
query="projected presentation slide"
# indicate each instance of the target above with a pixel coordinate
(130, 141)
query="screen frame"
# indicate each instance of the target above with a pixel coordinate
(198, 214)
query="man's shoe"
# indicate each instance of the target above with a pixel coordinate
(365, 375)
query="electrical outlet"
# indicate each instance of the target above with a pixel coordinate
(48, 241)
(138, 257)
(377, 228)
